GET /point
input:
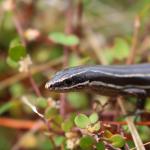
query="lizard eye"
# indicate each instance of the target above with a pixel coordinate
(68, 82)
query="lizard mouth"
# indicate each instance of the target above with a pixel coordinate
(52, 87)
(49, 85)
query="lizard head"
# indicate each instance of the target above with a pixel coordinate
(68, 80)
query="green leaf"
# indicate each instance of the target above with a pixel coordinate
(45, 145)
(5, 107)
(121, 49)
(74, 60)
(96, 126)
(67, 125)
(86, 2)
(5, 143)
(142, 130)
(71, 40)
(82, 121)
(16, 50)
(17, 89)
(108, 54)
(64, 39)
(147, 105)
(117, 140)
(77, 100)
(131, 144)
(3, 65)
(58, 37)
(58, 119)
(56, 122)
(100, 146)
(55, 53)
(107, 134)
(15, 42)
(59, 140)
(50, 113)
(12, 63)
(87, 142)
(42, 102)
(41, 54)
(93, 118)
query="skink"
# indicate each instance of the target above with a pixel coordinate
(106, 80)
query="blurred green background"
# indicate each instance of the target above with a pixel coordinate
(102, 32)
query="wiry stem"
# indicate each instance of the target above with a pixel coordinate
(34, 85)
(68, 30)
(135, 39)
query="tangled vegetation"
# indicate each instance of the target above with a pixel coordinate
(39, 38)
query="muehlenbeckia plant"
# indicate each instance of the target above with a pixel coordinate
(91, 126)
(18, 57)
(91, 123)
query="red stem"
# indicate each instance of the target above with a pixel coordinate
(68, 30)
(34, 85)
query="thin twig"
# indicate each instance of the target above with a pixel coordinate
(28, 124)
(34, 109)
(26, 101)
(36, 69)
(63, 104)
(34, 85)
(20, 31)
(17, 123)
(135, 39)
(18, 25)
(79, 14)
(68, 30)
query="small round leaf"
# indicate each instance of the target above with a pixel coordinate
(117, 140)
(67, 125)
(87, 142)
(15, 42)
(82, 121)
(96, 126)
(71, 40)
(51, 113)
(59, 140)
(107, 134)
(12, 63)
(100, 146)
(64, 39)
(77, 99)
(17, 52)
(41, 102)
(93, 118)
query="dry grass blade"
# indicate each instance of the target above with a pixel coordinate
(34, 109)
(92, 39)
(136, 138)
(144, 145)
